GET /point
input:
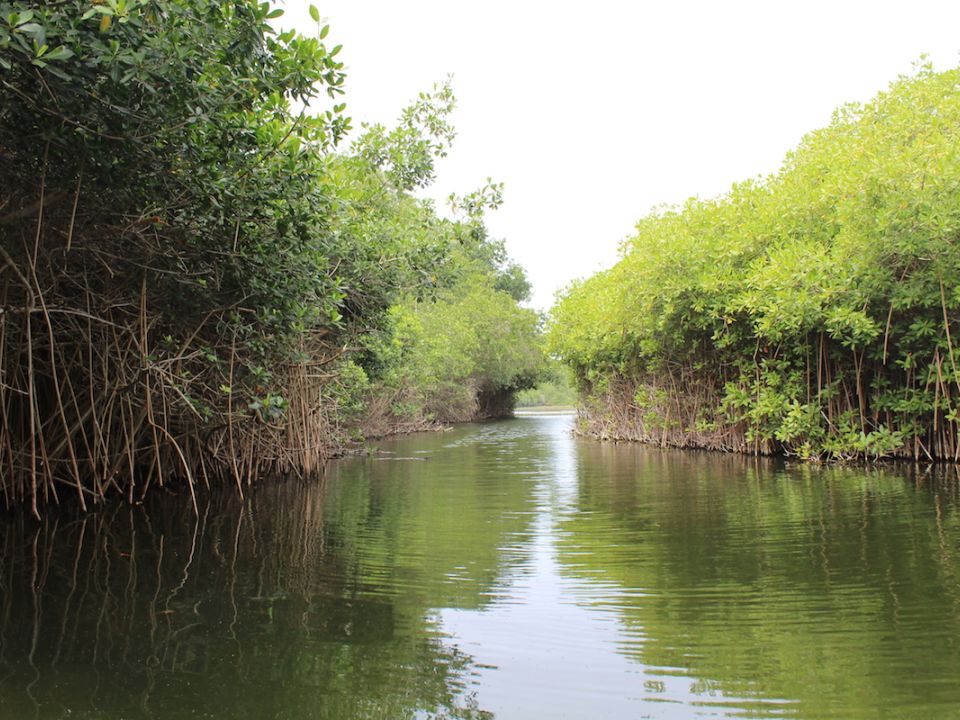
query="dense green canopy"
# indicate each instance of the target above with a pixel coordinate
(813, 311)
(196, 275)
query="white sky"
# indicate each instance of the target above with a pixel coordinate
(592, 113)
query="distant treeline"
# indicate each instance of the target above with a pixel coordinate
(814, 312)
(200, 282)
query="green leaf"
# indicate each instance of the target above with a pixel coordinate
(324, 31)
(274, 14)
(59, 53)
(314, 13)
(53, 70)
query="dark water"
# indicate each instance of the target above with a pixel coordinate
(504, 570)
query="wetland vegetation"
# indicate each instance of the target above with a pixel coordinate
(202, 279)
(814, 312)
(209, 278)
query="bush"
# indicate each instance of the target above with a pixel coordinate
(812, 312)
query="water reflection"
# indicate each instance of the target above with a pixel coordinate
(258, 609)
(502, 570)
(802, 591)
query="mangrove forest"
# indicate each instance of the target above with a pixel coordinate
(230, 313)
(206, 274)
(813, 312)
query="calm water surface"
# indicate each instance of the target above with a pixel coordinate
(504, 570)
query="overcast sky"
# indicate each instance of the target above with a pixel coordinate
(592, 113)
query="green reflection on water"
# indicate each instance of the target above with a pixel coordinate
(834, 590)
(307, 600)
(733, 588)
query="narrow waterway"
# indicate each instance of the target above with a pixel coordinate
(505, 570)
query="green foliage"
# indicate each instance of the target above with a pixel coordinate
(827, 288)
(213, 275)
(471, 344)
(406, 153)
(452, 336)
(174, 121)
(554, 389)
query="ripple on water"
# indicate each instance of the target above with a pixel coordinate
(507, 568)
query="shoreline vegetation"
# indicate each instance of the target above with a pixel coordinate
(202, 284)
(208, 276)
(812, 313)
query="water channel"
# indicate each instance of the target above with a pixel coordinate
(506, 570)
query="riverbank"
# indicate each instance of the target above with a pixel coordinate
(814, 312)
(209, 294)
